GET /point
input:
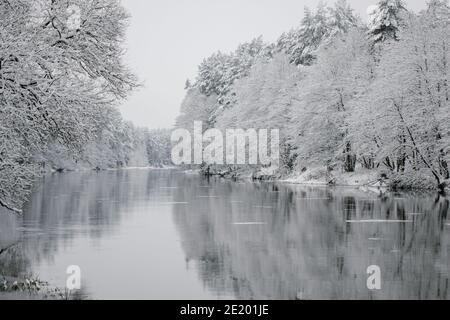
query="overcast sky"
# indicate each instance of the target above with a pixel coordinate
(167, 40)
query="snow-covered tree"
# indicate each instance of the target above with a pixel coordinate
(337, 100)
(439, 12)
(263, 100)
(405, 116)
(217, 73)
(385, 20)
(196, 106)
(326, 101)
(317, 28)
(57, 72)
(342, 18)
(159, 147)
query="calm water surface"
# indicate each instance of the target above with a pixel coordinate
(166, 234)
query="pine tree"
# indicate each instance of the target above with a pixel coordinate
(316, 28)
(342, 18)
(385, 20)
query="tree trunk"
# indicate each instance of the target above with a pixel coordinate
(350, 159)
(401, 161)
(388, 163)
(417, 150)
(368, 162)
(444, 166)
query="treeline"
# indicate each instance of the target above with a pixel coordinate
(119, 145)
(61, 78)
(346, 95)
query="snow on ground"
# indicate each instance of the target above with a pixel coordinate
(318, 176)
(147, 168)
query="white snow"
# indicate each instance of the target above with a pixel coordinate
(378, 221)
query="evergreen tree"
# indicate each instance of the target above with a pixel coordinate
(342, 18)
(316, 28)
(385, 20)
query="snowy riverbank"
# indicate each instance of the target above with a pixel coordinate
(319, 176)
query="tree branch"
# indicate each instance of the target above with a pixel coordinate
(15, 210)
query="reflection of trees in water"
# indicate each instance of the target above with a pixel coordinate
(12, 259)
(306, 249)
(13, 262)
(8, 226)
(66, 205)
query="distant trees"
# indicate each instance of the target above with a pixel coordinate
(158, 147)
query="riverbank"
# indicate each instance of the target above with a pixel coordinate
(15, 285)
(314, 176)
(319, 176)
(48, 170)
(14, 288)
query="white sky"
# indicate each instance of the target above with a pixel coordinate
(168, 39)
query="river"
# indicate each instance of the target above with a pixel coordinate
(168, 234)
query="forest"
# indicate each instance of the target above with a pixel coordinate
(348, 96)
(62, 78)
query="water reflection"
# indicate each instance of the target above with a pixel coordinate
(168, 234)
(315, 243)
